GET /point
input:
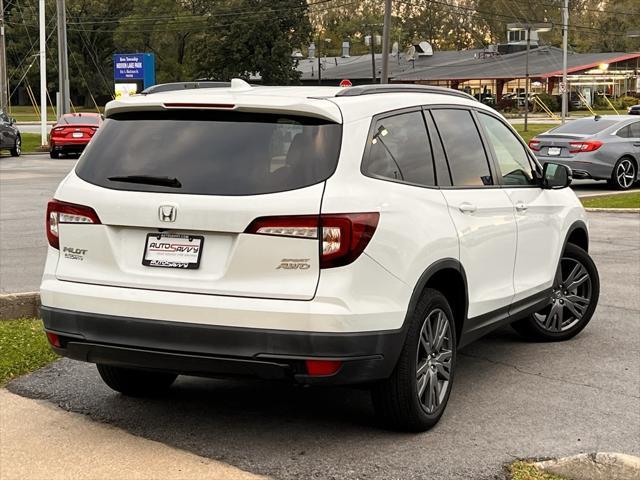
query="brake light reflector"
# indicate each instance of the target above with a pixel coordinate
(62, 212)
(319, 368)
(534, 144)
(586, 146)
(53, 339)
(344, 236)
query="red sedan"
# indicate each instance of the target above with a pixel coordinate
(72, 133)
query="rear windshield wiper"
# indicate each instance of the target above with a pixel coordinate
(149, 180)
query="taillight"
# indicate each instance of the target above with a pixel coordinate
(586, 146)
(322, 368)
(62, 212)
(534, 144)
(344, 235)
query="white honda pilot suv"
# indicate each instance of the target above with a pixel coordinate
(315, 235)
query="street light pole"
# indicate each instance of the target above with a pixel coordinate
(565, 46)
(386, 32)
(526, 81)
(43, 77)
(4, 86)
(63, 61)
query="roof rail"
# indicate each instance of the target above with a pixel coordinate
(169, 87)
(400, 88)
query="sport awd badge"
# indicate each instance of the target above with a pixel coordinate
(294, 264)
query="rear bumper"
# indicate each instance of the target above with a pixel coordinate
(582, 169)
(206, 350)
(68, 145)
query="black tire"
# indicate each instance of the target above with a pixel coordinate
(396, 399)
(54, 154)
(533, 326)
(17, 148)
(628, 165)
(135, 383)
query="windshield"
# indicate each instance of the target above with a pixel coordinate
(211, 153)
(586, 126)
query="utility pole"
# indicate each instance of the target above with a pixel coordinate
(526, 81)
(565, 46)
(4, 86)
(386, 33)
(43, 76)
(63, 61)
(373, 55)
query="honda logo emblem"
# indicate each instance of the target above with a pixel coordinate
(167, 213)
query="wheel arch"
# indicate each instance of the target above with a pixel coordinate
(449, 278)
(578, 234)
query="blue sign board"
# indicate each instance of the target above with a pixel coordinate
(129, 67)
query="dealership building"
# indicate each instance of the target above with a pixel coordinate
(496, 70)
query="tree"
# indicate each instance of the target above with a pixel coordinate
(250, 37)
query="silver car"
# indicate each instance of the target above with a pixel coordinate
(601, 147)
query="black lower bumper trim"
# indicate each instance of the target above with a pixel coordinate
(198, 349)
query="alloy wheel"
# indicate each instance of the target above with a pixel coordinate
(18, 146)
(433, 360)
(625, 173)
(570, 297)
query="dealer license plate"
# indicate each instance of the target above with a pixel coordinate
(77, 134)
(553, 151)
(173, 250)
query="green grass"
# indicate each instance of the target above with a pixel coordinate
(23, 348)
(31, 142)
(621, 200)
(27, 114)
(526, 471)
(533, 129)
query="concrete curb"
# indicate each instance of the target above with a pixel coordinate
(594, 466)
(613, 210)
(18, 305)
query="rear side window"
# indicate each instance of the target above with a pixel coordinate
(400, 150)
(624, 132)
(468, 161)
(635, 130)
(211, 153)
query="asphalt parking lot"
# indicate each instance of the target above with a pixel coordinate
(511, 399)
(28, 182)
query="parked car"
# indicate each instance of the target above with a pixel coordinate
(72, 133)
(10, 138)
(315, 235)
(601, 148)
(634, 110)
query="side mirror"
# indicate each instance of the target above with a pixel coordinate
(555, 176)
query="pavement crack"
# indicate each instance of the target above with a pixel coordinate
(546, 377)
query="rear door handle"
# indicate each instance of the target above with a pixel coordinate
(467, 207)
(521, 207)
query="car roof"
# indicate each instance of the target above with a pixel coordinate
(330, 103)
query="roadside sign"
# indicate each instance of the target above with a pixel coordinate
(562, 87)
(346, 83)
(134, 68)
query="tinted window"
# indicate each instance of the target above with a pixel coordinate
(512, 158)
(215, 153)
(80, 119)
(400, 150)
(463, 147)
(635, 130)
(585, 126)
(624, 132)
(443, 178)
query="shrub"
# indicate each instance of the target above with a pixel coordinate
(505, 105)
(550, 101)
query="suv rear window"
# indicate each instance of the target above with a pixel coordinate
(211, 153)
(586, 126)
